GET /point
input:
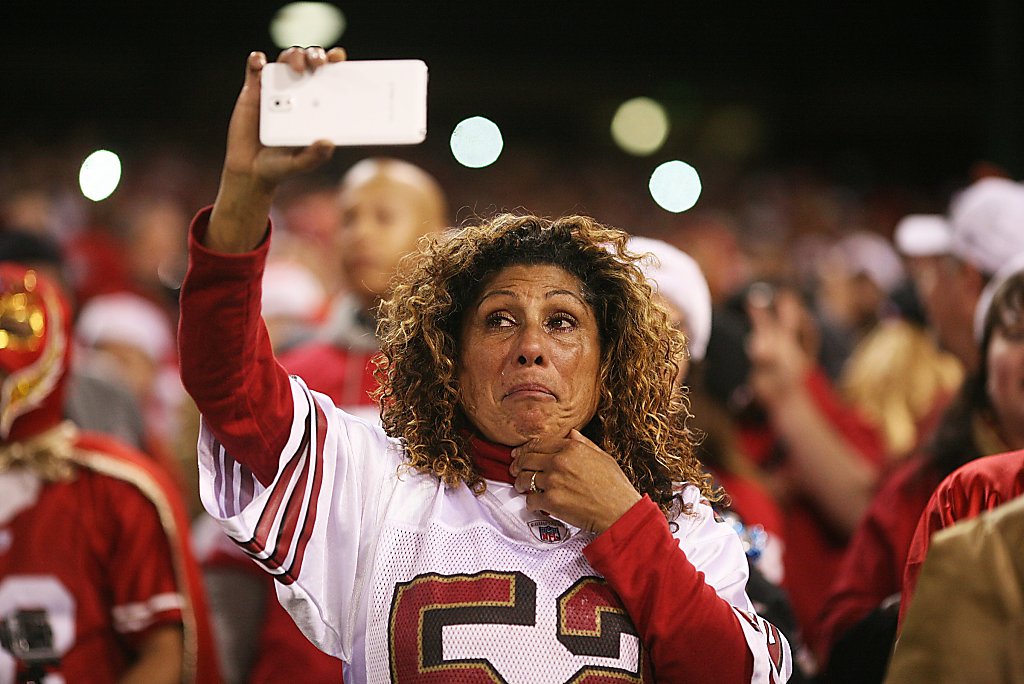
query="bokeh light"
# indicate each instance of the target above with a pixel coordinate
(307, 23)
(99, 175)
(675, 186)
(476, 142)
(640, 126)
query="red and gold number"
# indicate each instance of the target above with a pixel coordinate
(591, 622)
(424, 606)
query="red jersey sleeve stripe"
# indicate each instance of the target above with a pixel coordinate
(291, 508)
(286, 561)
(278, 496)
(289, 520)
(293, 571)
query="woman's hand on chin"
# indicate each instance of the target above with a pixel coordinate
(572, 479)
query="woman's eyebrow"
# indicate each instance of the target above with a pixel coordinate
(492, 293)
(574, 295)
(547, 295)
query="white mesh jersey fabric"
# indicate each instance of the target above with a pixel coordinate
(493, 598)
(405, 579)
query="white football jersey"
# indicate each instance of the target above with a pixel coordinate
(408, 580)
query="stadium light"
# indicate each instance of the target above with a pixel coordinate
(675, 186)
(640, 126)
(99, 175)
(476, 142)
(307, 23)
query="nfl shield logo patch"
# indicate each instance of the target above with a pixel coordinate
(549, 530)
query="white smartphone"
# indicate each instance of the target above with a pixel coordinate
(371, 102)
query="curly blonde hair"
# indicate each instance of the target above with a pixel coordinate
(641, 418)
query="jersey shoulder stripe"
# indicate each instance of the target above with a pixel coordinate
(285, 524)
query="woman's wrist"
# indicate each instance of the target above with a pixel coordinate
(623, 505)
(238, 222)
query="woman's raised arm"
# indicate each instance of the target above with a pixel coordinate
(227, 364)
(251, 171)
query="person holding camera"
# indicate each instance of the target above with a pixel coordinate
(531, 508)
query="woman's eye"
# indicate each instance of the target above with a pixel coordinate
(561, 322)
(499, 320)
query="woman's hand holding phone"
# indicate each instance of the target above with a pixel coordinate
(253, 171)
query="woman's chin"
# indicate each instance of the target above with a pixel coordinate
(520, 427)
(538, 427)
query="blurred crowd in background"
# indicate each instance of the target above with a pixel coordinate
(843, 330)
(853, 294)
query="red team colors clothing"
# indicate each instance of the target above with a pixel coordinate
(814, 550)
(974, 488)
(106, 556)
(872, 569)
(407, 580)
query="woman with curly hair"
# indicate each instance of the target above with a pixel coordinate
(532, 509)
(429, 322)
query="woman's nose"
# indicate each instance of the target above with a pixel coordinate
(531, 343)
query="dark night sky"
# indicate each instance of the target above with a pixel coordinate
(910, 90)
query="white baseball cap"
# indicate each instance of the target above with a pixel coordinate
(987, 220)
(1009, 269)
(872, 255)
(129, 319)
(921, 235)
(677, 277)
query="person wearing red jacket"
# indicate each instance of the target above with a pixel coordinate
(985, 483)
(97, 578)
(969, 593)
(859, 619)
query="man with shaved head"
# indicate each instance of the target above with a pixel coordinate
(384, 206)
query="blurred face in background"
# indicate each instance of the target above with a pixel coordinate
(851, 300)
(948, 291)
(384, 209)
(131, 367)
(1005, 387)
(156, 246)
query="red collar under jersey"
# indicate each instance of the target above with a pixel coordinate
(492, 460)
